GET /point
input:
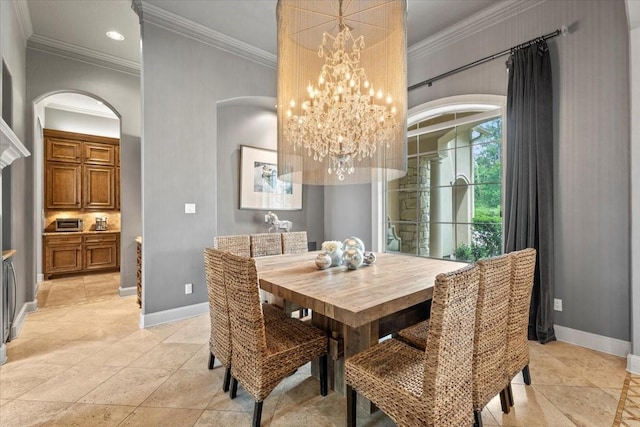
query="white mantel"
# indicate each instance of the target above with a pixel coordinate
(11, 148)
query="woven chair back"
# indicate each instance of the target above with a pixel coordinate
(238, 245)
(265, 244)
(490, 346)
(294, 242)
(220, 341)
(524, 264)
(248, 338)
(449, 351)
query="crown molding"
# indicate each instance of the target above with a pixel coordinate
(11, 148)
(24, 18)
(78, 110)
(467, 27)
(178, 24)
(79, 53)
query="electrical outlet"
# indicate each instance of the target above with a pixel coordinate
(190, 208)
(557, 304)
(188, 288)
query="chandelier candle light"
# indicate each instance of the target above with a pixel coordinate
(342, 90)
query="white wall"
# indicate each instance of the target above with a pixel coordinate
(81, 123)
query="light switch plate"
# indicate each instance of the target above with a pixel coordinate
(557, 304)
(188, 288)
(189, 208)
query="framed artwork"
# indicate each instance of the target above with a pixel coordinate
(260, 187)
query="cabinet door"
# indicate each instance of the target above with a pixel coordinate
(63, 150)
(63, 186)
(100, 252)
(99, 187)
(63, 255)
(99, 154)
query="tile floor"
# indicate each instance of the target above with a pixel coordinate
(82, 360)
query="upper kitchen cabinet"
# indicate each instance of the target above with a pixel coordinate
(81, 171)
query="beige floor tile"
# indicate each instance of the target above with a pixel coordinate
(196, 332)
(71, 385)
(20, 413)
(53, 329)
(84, 414)
(165, 330)
(229, 419)
(141, 335)
(551, 371)
(166, 356)
(17, 379)
(614, 392)
(118, 353)
(200, 360)
(73, 352)
(531, 409)
(187, 389)
(594, 407)
(243, 402)
(603, 372)
(130, 386)
(153, 417)
(30, 349)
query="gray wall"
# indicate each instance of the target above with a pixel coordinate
(182, 81)
(252, 121)
(348, 213)
(48, 74)
(591, 132)
(17, 192)
(81, 123)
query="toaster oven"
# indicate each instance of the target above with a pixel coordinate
(69, 224)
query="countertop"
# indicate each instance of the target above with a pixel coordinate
(8, 254)
(68, 233)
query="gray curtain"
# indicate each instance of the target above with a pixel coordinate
(529, 176)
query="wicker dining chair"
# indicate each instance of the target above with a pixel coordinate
(220, 339)
(265, 244)
(490, 343)
(425, 388)
(264, 354)
(238, 245)
(524, 265)
(294, 242)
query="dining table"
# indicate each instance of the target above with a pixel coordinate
(356, 308)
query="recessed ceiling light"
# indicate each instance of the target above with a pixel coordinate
(114, 35)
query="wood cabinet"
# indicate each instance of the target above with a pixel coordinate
(100, 251)
(63, 254)
(80, 252)
(62, 185)
(81, 171)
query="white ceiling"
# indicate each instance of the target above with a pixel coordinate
(83, 23)
(80, 26)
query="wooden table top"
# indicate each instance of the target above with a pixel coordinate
(354, 297)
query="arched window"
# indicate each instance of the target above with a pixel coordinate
(449, 205)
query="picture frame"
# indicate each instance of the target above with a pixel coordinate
(260, 187)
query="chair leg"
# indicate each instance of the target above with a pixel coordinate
(477, 418)
(351, 406)
(234, 388)
(510, 395)
(212, 360)
(227, 379)
(504, 401)
(323, 375)
(526, 375)
(257, 413)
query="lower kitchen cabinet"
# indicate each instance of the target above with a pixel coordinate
(80, 252)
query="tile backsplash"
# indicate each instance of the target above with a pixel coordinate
(89, 219)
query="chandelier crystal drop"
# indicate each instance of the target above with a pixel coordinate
(342, 90)
(343, 117)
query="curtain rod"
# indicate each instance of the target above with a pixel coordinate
(563, 30)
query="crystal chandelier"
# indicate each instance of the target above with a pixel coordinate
(342, 106)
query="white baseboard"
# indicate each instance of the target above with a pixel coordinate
(3, 354)
(18, 321)
(40, 278)
(173, 314)
(633, 364)
(593, 341)
(127, 292)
